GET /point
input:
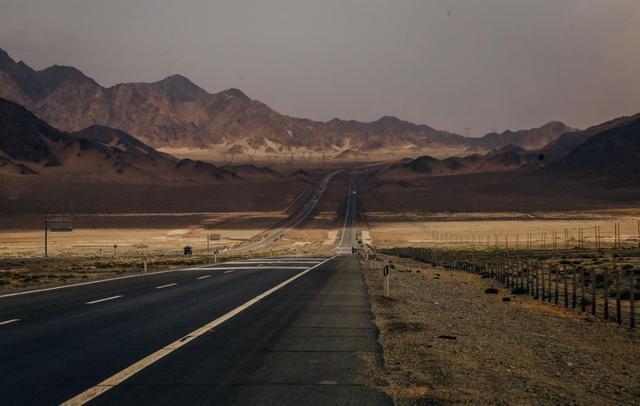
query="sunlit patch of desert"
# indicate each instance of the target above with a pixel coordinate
(510, 229)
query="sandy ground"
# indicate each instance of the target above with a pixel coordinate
(134, 235)
(304, 157)
(493, 192)
(87, 252)
(447, 342)
(47, 194)
(317, 234)
(512, 229)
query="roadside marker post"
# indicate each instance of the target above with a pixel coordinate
(385, 273)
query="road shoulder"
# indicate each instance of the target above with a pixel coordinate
(445, 341)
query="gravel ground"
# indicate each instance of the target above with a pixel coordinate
(445, 341)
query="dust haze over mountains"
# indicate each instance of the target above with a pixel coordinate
(450, 64)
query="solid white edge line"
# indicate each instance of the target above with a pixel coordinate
(28, 292)
(105, 299)
(204, 277)
(225, 268)
(279, 261)
(2, 323)
(168, 285)
(133, 369)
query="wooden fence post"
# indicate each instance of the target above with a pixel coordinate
(549, 294)
(606, 293)
(573, 288)
(632, 301)
(582, 302)
(543, 284)
(616, 270)
(566, 289)
(555, 282)
(537, 280)
(593, 292)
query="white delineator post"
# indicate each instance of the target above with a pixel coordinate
(385, 273)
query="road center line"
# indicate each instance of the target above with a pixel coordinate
(8, 321)
(128, 372)
(166, 286)
(104, 300)
(204, 277)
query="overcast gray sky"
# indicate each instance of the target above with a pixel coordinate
(452, 64)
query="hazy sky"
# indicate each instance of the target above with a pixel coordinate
(482, 64)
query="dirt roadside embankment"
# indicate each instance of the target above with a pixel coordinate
(446, 341)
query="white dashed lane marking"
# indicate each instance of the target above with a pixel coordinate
(8, 321)
(152, 358)
(166, 286)
(104, 300)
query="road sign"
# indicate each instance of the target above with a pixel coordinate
(59, 223)
(213, 237)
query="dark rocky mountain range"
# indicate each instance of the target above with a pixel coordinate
(609, 151)
(531, 139)
(30, 146)
(508, 158)
(568, 142)
(612, 153)
(174, 112)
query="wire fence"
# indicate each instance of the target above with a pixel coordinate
(603, 283)
(598, 237)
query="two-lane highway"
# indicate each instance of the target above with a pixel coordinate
(260, 331)
(63, 340)
(283, 327)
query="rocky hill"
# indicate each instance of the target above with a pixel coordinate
(531, 139)
(508, 158)
(567, 143)
(613, 153)
(30, 146)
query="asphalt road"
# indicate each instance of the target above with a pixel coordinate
(348, 239)
(291, 223)
(260, 331)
